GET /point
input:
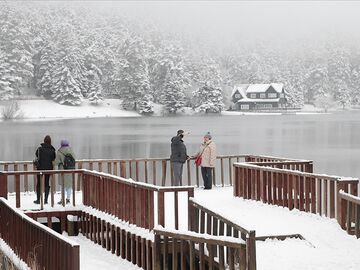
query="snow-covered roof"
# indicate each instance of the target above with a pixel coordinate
(243, 89)
(257, 88)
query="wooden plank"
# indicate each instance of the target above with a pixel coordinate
(332, 199)
(357, 221)
(349, 216)
(174, 254)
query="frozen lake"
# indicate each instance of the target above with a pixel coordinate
(332, 141)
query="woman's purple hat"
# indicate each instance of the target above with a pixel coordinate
(64, 143)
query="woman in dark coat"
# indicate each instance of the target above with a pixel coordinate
(46, 155)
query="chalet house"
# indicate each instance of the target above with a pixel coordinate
(248, 97)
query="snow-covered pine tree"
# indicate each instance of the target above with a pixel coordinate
(173, 96)
(132, 75)
(15, 43)
(208, 97)
(95, 88)
(45, 71)
(66, 89)
(339, 76)
(6, 92)
(145, 106)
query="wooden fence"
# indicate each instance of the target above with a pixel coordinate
(131, 201)
(122, 242)
(36, 244)
(315, 193)
(16, 176)
(349, 213)
(180, 250)
(203, 220)
(156, 171)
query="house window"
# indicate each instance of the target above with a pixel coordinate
(282, 95)
(272, 95)
(262, 95)
(237, 96)
(252, 95)
(245, 107)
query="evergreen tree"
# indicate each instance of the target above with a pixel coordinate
(67, 91)
(6, 92)
(208, 99)
(132, 74)
(173, 95)
(15, 43)
(145, 105)
(46, 66)
(95, 88)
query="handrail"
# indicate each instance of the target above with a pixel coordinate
(219, 217)
(299, 173)
(26, 236)
(349, 212)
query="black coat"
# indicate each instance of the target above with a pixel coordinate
(46, 154)
(178, 150)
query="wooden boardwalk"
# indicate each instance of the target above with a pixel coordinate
(134, 191)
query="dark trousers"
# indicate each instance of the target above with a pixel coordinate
(206, 173)
(47, 187)
(177, 171)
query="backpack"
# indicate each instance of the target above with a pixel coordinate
(69, 161)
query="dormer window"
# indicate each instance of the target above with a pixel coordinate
(237, 95)
(252, 95)
(262, 95)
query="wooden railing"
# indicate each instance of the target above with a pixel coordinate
(156, 171)
(36, 244)
(203, 220)
(349, 213)
(129, 200)
(315, 193)
(16, 178)
(197, 251)
(302, 166)
(122, 241)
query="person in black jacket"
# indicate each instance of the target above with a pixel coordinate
(178, 156)
(46, 155)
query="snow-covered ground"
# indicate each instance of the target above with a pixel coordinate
(40, 109)
(48, 109)
(326, 246)
(94, 257)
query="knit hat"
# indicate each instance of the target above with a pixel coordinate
(64, 143)
(180, 131)
(208, 135)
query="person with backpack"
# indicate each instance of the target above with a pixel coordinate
(65, 160)
(45, 155)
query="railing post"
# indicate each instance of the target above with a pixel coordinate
(3, 185)
(161, 208)
(340, 205)
(157, 252)
(251, 251)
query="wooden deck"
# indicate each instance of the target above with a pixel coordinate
(134, 191)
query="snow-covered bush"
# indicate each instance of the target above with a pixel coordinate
(11, 111)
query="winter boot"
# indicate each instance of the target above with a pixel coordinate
(37, 201)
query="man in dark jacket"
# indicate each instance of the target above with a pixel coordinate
(178, 156)
(46, 155)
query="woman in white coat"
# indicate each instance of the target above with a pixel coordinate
(208, 159)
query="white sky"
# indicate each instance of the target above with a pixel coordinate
(250, 18)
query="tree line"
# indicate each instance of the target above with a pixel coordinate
(68, 54)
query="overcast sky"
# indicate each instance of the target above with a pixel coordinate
(278, 19)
